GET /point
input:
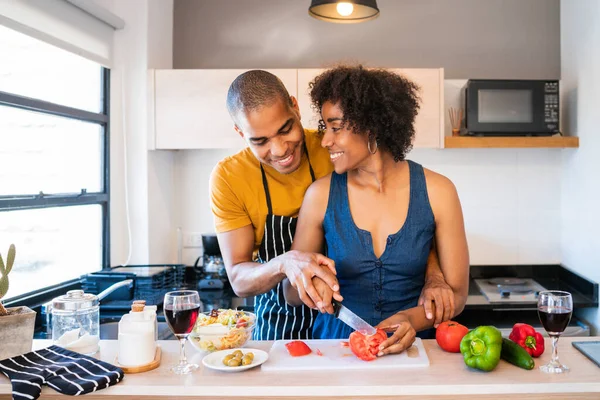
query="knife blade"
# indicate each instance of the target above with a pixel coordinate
(352, 320)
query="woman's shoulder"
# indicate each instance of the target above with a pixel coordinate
(316, 199)
(437, 180)
(320, 187)
(440, 188)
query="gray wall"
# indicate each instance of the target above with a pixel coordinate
(469, 38)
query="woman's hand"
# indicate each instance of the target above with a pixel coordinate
(326, 294)
(403, 337)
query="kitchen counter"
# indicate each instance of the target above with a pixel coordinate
(446, 378)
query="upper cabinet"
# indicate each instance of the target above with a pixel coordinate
(188, 107)
(188, 110)
(430, 120)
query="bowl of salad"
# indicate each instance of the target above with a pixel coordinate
(222, 330)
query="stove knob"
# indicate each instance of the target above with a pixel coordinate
(505, 294)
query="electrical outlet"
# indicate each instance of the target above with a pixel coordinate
(192, 239)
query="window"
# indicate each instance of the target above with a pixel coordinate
(54, 180)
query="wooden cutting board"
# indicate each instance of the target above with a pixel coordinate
(335, 356)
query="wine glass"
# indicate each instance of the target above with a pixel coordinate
(181, 311)
(554, 309)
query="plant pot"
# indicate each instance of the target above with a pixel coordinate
(16, 332)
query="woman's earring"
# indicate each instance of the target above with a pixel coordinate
(369, 147)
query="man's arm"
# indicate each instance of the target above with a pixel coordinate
(247, 278)
(236, 242)
(250, 278)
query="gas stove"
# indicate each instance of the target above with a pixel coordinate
(510, 290)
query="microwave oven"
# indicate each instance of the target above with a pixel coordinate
(512, 107)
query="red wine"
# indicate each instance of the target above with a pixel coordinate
(183, 318)
(554, 319)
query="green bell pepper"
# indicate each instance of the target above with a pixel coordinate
(482, 348)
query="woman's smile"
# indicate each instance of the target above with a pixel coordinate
(335, 155)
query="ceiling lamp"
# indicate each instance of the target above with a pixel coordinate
(344, 11)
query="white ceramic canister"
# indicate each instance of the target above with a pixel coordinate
(137, 332)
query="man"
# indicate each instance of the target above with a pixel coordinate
(256, 195)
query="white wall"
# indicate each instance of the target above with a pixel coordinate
(161, 172)
(145, 42)
(510, 197)
(580, 48)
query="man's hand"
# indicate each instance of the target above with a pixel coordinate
(403, 337)
(300, 269)
(326, 295)
(437, 291)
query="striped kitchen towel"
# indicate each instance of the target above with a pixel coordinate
(63, 370)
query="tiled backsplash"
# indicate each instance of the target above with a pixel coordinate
(510, 199)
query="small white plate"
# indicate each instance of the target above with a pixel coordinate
(215, 360)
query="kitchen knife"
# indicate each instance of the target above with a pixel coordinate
(352, 320)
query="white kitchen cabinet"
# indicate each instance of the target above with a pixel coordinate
(188, 110)
(429, 123)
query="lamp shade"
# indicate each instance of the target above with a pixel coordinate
(344, 11)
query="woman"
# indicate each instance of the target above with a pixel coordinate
(378, 215)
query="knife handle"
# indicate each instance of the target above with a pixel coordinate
(336, 307)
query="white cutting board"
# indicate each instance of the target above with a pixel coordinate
(337, 357)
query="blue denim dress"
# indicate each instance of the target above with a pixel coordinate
(376, 288)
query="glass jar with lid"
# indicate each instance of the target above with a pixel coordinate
(76, 321)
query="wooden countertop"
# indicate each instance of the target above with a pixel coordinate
(446, 378)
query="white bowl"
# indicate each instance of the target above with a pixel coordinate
(216, 338)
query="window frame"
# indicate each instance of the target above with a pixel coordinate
(15, 202)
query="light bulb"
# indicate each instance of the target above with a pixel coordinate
(344, 9)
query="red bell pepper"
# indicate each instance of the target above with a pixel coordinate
(528, 338)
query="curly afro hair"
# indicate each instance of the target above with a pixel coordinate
(376, 102)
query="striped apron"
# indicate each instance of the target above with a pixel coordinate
(275, 318)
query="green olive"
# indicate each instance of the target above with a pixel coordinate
(238, 353)
(234, 362)
(250, 355)
(246, 360)
(227, 358)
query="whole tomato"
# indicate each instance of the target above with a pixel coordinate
(449, 334)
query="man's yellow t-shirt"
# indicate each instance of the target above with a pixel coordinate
(238, 197)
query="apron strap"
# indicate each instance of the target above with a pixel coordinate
(312, 173)
(266, 187)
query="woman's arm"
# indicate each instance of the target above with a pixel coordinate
(309, 237)
(437, 291)
(450, 236)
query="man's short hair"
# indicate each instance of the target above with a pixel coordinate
(253, 90)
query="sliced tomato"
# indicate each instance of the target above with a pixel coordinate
(344, 344)
(366, 347)
(241, 324)
(298, 348)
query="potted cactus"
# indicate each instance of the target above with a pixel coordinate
(16, 323)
